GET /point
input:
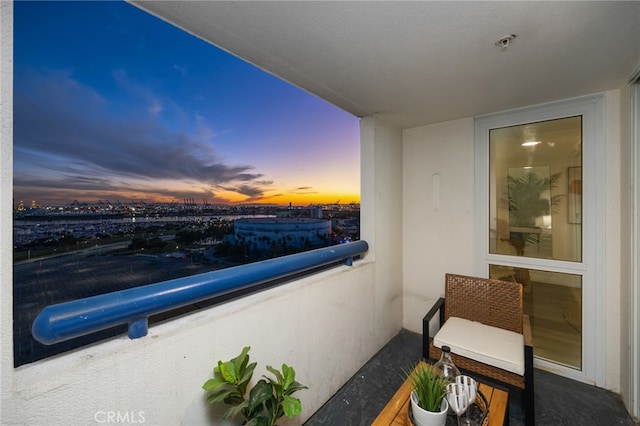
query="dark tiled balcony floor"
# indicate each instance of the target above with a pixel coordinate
(559, 401)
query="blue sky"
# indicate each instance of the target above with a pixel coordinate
(111, 103)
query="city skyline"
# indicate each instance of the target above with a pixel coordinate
(112, 103)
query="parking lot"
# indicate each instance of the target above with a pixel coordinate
(59, 279)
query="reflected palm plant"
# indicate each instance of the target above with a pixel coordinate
(528, 200)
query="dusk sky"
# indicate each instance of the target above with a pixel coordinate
(111, 103)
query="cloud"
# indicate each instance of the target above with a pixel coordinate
(141, 92)
(253, 192)
(182, 69)
(69, 136)
(155, 108)
(303, 190)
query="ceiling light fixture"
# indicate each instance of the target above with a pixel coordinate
(531, 143)
(504, 42)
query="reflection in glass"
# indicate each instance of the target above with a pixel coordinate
(553, 302)
(535, 212)
(530, 204)
(535, 190)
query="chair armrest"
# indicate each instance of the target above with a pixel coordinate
(437, 307)
(526, 330)
(426, 338)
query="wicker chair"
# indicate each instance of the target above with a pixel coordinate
(494, 303)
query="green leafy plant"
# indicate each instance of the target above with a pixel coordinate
(429, 386)
(267, 401)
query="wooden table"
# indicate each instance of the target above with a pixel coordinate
(397, 409)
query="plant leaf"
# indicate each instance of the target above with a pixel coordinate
(289, 375)
(228, 371)
(245, 378)
(221, 396)
(295, 386)
(240, 362)
(291, 406)
(213, 384)
(258, 421)
(276, 373)
(235, 410)
(260, 393)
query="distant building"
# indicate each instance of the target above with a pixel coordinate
(316, 212)
(348, 226)
(308, 211)
(294, 232)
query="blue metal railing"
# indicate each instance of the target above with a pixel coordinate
(134, 306)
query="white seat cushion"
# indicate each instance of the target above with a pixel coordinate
(489, 345)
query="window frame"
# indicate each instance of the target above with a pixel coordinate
(592, 267)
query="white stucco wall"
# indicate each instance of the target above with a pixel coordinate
(613, 229)
(438, 218)
(6, 200)
(630, 291)
(626, 245)
(326, 325)
(381, 225)
(160, 375)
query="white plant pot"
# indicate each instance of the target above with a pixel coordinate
(422, 417)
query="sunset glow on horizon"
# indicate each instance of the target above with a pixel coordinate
(111, 103)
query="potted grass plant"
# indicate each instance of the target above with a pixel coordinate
(428, 403)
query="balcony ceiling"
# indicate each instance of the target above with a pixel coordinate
(416, 63)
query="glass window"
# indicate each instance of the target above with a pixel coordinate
(536, 190)
(535, 212)
(540, 176)
(553, 302)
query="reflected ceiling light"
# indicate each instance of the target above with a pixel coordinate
(530, 143)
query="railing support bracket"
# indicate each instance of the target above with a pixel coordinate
(138, 328)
